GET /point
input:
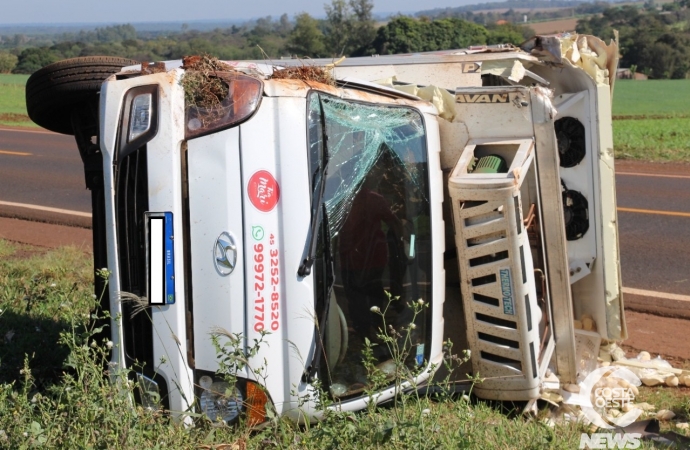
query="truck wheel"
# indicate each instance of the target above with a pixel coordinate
(54, 92)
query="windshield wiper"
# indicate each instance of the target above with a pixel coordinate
(329, 279)
(319, 216)
(317, 199)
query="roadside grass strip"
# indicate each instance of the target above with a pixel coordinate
(12, 101)
(653, 139)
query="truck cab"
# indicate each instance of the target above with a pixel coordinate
(288, 218)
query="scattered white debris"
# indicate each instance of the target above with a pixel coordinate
(644, 406)
(683, 425)
(653, 379)
(644, 356)
(672, 381)
(665, 414)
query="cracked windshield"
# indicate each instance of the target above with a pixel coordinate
(375, 241)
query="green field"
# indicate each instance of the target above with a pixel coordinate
(651, 97)
(652, 120)
(653, 139)
(12, 106)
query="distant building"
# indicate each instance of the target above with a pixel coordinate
(626, 74)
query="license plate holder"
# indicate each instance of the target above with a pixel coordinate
(160, 258)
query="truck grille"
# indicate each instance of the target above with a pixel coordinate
(131, 201)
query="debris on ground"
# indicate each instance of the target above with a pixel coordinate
(304, 73)
(654, 371)
(612, 398)
(665, 414)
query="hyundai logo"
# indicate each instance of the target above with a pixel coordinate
(225, 254)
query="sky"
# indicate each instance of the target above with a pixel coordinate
(132, 11)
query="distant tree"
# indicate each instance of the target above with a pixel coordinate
(407, 35)
(349, 27)
(32, 59)
(8, 61)
(400, 35)
(508, 34)
(284, 25)
(306, 39)
(263, 27)
(668, 57)
(338, 27)
(115, 33)
(653, 43)
(363, 28)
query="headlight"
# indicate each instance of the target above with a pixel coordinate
(242, 100)
(219, 400)
(140, 118)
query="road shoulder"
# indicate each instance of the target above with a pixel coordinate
(44, 234)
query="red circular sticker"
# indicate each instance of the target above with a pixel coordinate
(263, 191)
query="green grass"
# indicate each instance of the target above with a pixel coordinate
(653, 139)
(652, 120)
(12, 102)
(53, 393)
(651, 97)
(40, 293)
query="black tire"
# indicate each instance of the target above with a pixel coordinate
(54, 92)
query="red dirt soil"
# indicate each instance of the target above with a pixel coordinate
(658, 335)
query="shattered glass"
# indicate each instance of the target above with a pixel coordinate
(358, 134)
(374, 239)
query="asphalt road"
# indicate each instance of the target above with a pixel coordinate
(39, 169)
(44, 169)
(654, 226)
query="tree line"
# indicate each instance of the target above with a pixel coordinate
(348, 29)
(656, 42)
(517, 10)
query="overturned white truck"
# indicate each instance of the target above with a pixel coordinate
(461, 194)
